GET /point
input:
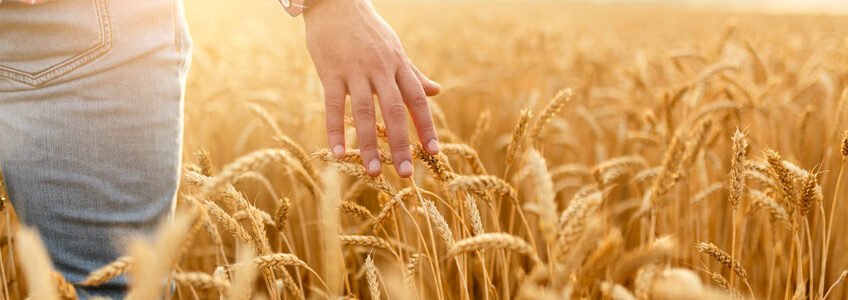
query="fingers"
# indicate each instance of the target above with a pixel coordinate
(419, 109)
(362, 106)
(334, 108)
(431, 88)
(394, 114)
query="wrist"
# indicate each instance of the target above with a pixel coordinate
(321, 9)
(318, 9)
(293, 7)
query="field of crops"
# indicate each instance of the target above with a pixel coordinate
(588, 152)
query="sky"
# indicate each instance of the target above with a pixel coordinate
(799, 6)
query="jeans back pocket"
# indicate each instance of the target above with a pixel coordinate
(42, 42)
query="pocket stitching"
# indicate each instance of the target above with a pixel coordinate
(70, 64)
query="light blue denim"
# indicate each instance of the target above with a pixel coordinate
(91, 99)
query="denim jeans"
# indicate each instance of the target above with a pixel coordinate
(91, 124)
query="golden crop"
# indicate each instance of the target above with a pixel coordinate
(590, 151)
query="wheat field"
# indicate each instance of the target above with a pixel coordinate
(589, 152)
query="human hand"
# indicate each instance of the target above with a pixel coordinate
(356, 52)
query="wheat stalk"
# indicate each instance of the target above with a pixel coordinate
(570, 170)
(644, 281)
(782, 175)
(482, 184)
(295, 150)
(204, 162)
(722, 257)
(278, 260)
(484, 121)
(65, 289)
(108, 272)
(281, 214)
(365, 241)
(354, 209)
(371, 274)
(474, 214)
(764, 201)
(437, 164)
(258, 178)
(353, 156)
(38, 267)
(573, 219)
(550, 111)
(380, 183)
(609, 170)
(469, 154)
(250, 162)
(632, 261)
(615, 291)
(411, 268)
(720, 281)
(229, 223)
(707, 192)
(398, 200)
(439, 223)
(261, 216)
(545, 196)
(202, 281)
(495, 240)
(737, 169)
(668, 173)
(809, 194)
(517, 136)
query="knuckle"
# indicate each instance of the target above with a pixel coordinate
(334, 106)
(380, 64)
(364, 115)
(400, 149)
(335, 131)
(419, 102)
(396, 111)
(363, 111)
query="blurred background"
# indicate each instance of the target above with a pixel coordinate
(640, 69)
(508, 52)
(782, 6)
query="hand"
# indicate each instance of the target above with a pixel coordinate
(356, 52)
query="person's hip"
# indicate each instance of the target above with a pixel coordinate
(57, 42)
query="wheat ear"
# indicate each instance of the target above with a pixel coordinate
(202, 281)
(365, 241)
(281, 214)
(493, 241)
(371, 275)
(468, 153)
(737, 169)
(66, 290)
(482, 184)
(108, 272)
(719, 255)
(517, 136)
(550, 111)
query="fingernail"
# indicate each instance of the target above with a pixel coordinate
(405, 168)
(338, 151)
(374, 166)
(433, 146)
